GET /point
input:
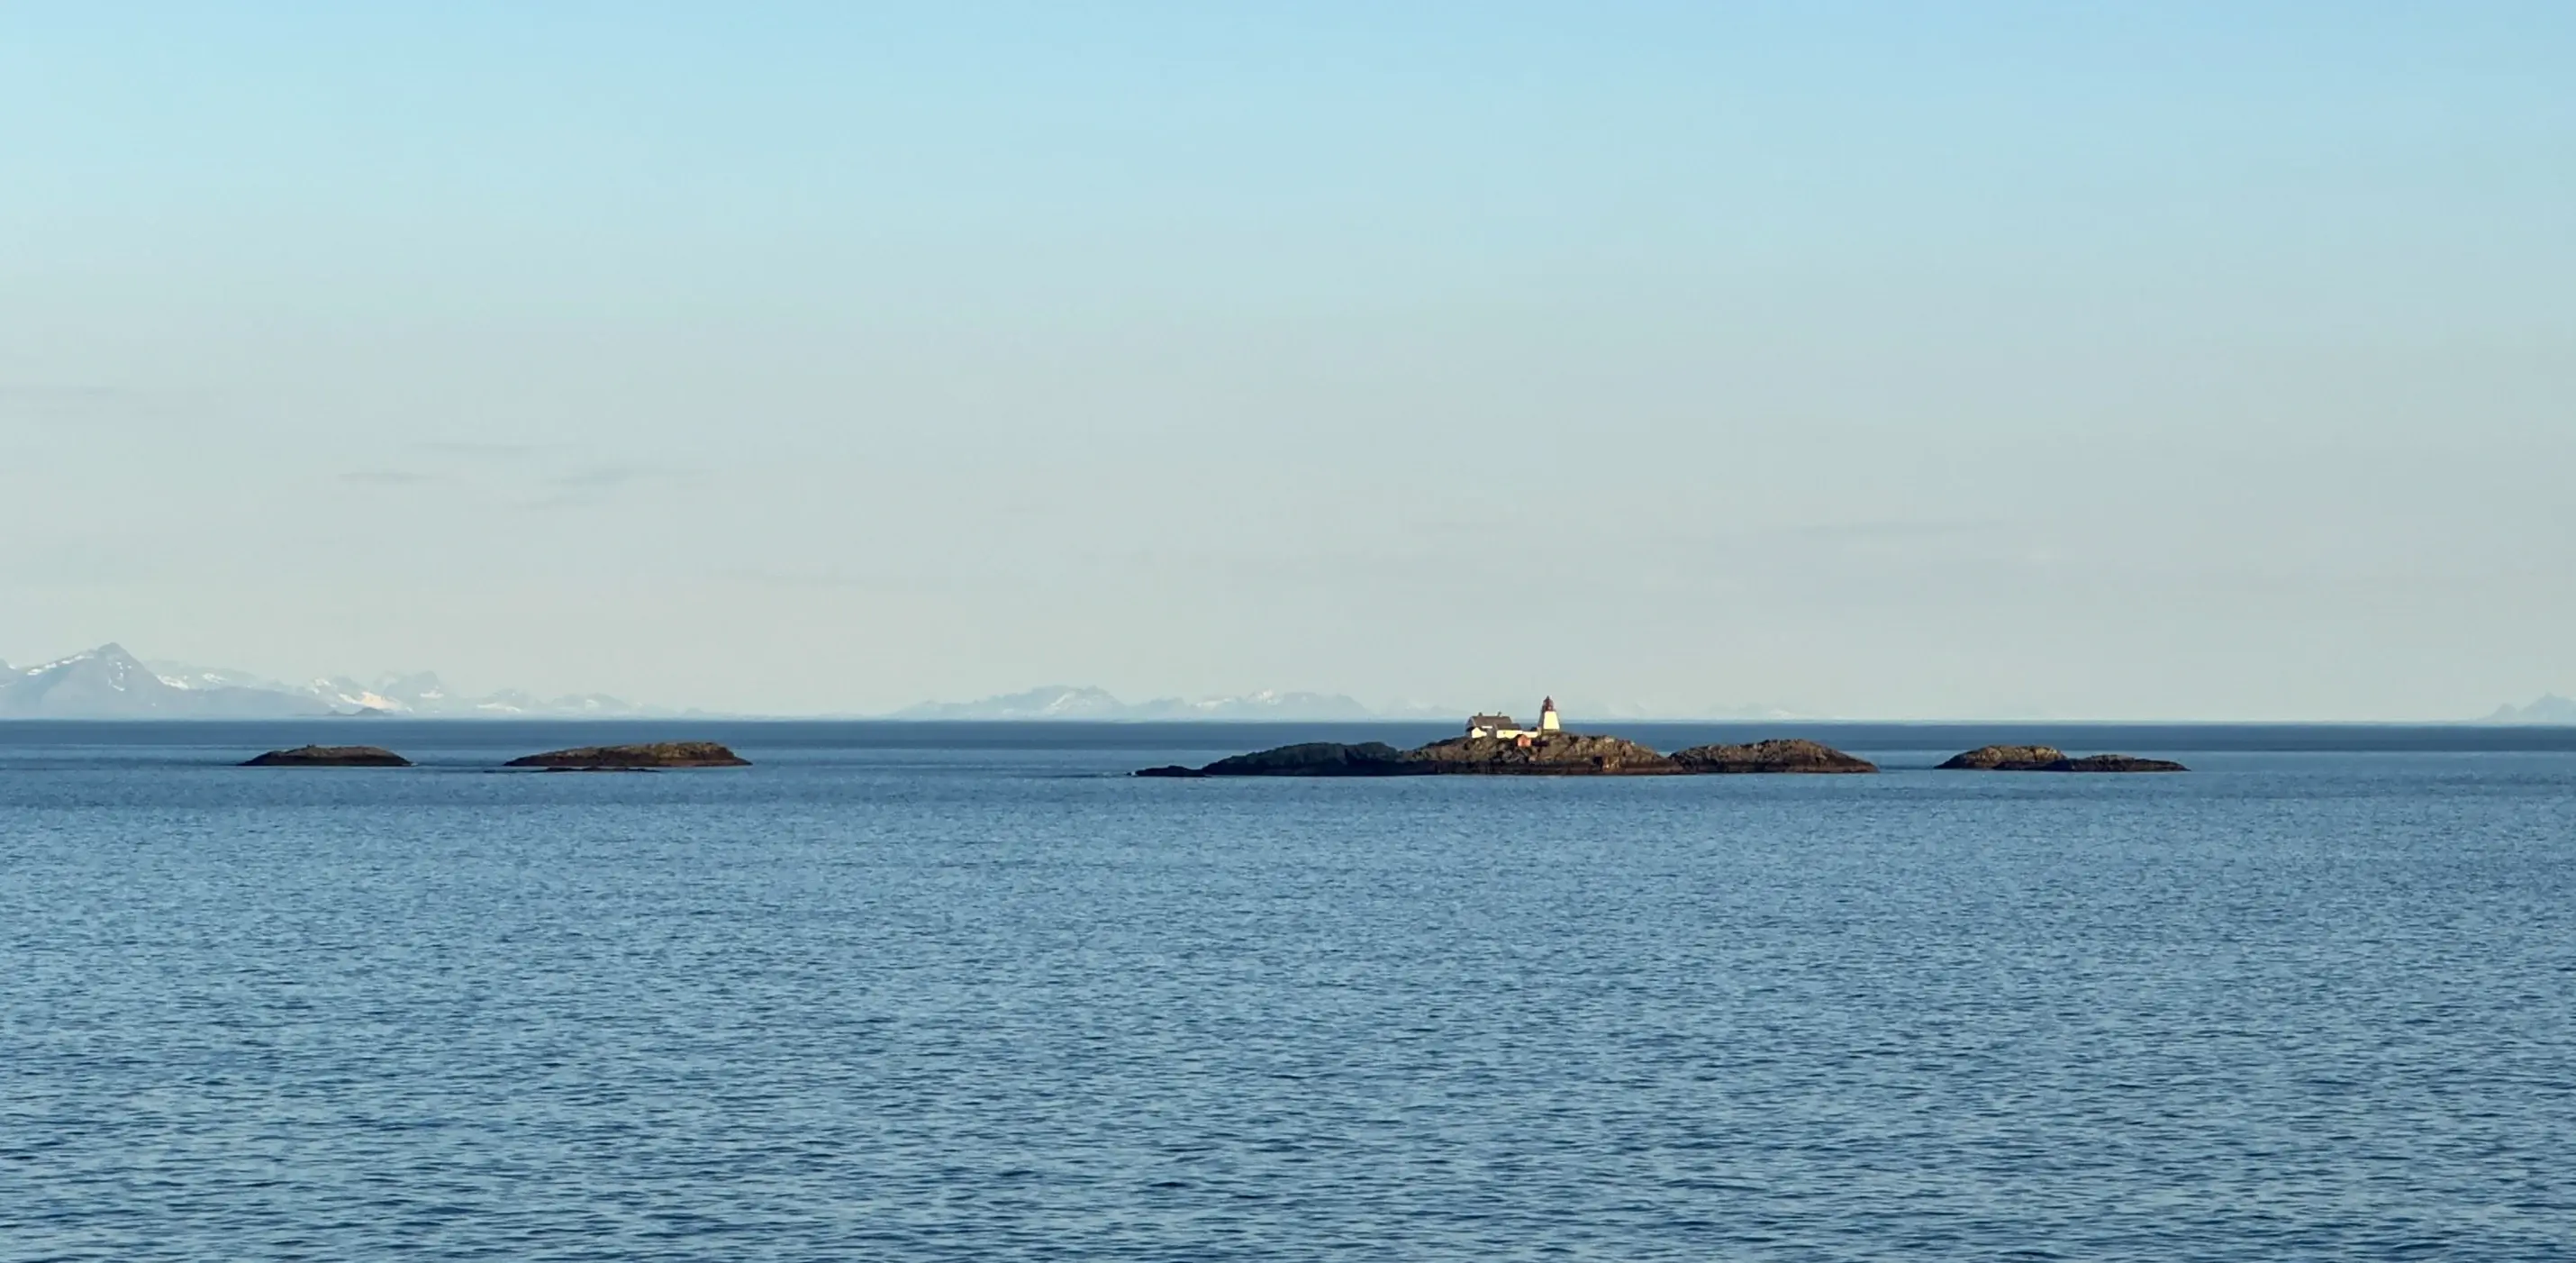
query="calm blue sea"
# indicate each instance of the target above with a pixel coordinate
(963, 992)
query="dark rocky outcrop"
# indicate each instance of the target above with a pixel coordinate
(1548, 754)
(1544, 754)
(2052, 759)
(1551, 754)
(2004, 759)
(330, 756)
(2114, 763)
(653, 755)
(1312, 758)
(1795, 754)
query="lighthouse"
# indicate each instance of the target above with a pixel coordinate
(1506, 728)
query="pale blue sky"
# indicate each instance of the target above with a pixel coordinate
(1889, 360)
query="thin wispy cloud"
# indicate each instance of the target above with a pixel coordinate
(476, 450)
(60, 401)
(602, 478)
(1900, 528)
(884, 583)
(594, 485)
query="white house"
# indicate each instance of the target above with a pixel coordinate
(1507, 728)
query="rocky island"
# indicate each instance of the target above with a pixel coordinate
(660, 754)
(1563, 754)
(329, 756)
(1311, 758)
(1550, 753)
(1793, 755)
(2051, 759)
(1494, 745)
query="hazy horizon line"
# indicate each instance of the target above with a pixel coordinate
(1374, 721)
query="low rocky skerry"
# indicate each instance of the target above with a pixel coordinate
(2051, 759)
(329, 756)
(628, 758)
(1558, 754)
(1793, 755)
(1495, 746)
(1307, 758)
(1552, 753)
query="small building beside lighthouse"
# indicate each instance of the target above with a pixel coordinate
(1506, 728)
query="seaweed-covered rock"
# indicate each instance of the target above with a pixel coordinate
(2052, 759)
(1795, 754)
(1315, 758)
(655, 754)
(2114, 763)
(2005, 759)
(330, 756)
(1546, 754)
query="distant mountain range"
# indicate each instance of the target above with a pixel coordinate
(1065, 701)
(109, 683)
(2549, 709)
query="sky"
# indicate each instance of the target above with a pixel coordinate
(2117, 360)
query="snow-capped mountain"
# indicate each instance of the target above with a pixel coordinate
(513, 702)
(183, 676)
(423, 694)
(413, 693)
(2550, 708)
(1652, 712)
(1054, 701)
(1266, 704)
(1065, 701)
(109, 683)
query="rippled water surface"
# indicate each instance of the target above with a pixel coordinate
(956, 993)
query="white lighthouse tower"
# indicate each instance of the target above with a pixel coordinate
(1547, 716)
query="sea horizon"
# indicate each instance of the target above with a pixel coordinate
(1241, 735)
